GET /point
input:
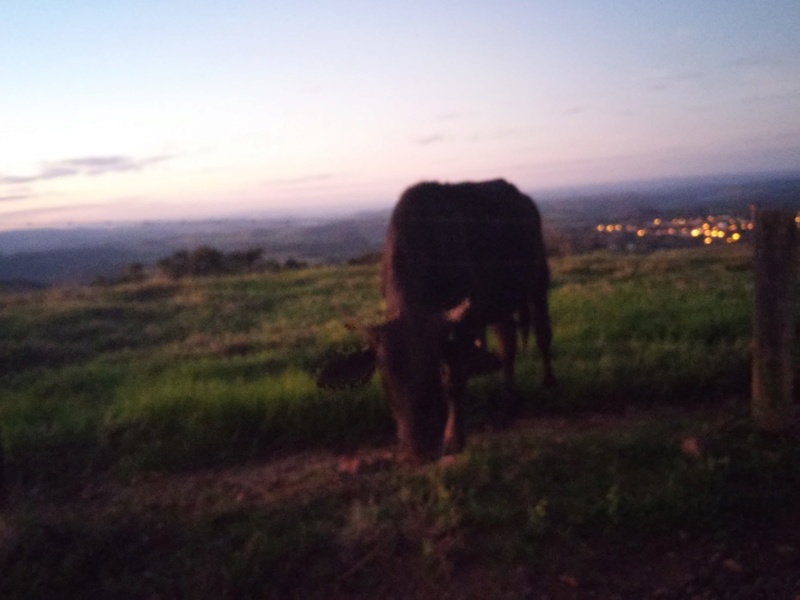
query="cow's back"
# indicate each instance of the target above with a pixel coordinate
(447, 242)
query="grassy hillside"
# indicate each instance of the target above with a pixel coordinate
(142, 386)
(178, 374)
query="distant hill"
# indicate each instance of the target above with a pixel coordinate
(81, 254)
(671, 198)
(19, 285)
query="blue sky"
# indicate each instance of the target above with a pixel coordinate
(143, 110)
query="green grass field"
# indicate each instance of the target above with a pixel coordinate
(155, 383)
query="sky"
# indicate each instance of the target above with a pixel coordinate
(143, 110)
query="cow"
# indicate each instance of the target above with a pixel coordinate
(457, 259)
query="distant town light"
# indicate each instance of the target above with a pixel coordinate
(708, 230)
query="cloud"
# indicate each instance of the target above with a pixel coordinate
(12, 197)
(754, 61)
(662, 80)
(574, 110)
(90, 166)
(77, 211)
(495, 136)
(478, 137)
(28, 213)
(771, 97)
(17, 180)
(302, 180)
(427, 140)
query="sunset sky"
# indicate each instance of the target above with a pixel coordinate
(136, 109)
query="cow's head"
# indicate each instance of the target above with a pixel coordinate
(409, 352)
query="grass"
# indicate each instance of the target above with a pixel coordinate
(112, 397)
(167, 375)
(510, 496)
(505, 503)
(196, 365)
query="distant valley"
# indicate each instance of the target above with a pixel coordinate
(78, 255)
(81, 255)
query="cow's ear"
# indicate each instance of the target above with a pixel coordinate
(347, 370)
(458, 312)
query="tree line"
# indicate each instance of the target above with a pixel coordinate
(206, 261)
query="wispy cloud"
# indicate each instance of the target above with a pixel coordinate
(29, 213)
(78, 212)
(477, 137)
(302, 180)
(574, 110)
(497, 135)
(756, 61)
(662, 80)
(90, 166)
(12, 197)
(427, 140)
(771, 97)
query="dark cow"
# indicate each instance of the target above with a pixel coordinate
(457, 258)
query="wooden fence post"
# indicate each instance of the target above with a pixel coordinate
(773, 406)
(2, 474)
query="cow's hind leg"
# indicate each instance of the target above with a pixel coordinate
(544, 338)
(506, 332)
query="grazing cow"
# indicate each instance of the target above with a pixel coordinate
(458, 258)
